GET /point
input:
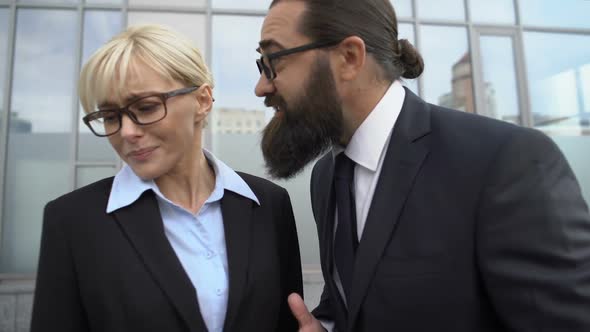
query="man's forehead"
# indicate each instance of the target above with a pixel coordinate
(280, 25)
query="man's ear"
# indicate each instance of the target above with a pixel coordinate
(350, 56)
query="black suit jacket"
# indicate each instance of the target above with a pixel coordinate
(118, 272)
(475, 225)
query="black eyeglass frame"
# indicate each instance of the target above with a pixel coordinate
(125, 110)
(270, 72)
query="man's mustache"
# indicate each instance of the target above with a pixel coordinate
(272, 101)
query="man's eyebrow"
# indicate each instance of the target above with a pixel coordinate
(266, 43)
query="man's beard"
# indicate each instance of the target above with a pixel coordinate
(306, 128)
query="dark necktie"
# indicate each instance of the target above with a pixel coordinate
(345, 241)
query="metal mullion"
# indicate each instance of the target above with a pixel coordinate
(526, 114)
(46, 5)
(125, 21)
(89, 164)
(474, 60)
(172, 10)
(5, 116)
(99, 6)
(576, 31)
(208, 134)
(419, 81)
(443, 22)
(239, 12)
(75, 104)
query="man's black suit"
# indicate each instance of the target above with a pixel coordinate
(118, 272)
(475, 225)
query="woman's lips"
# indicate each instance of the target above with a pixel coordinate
(141, 154)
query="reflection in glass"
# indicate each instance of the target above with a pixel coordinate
(403, 8)
(38, 147)
(558, 82)
(496, 11)
(173, 3)
(447, 79)
(88, 175)
(575, 149)
(242, 4)
(559, 14)
(99, 27)
(441, 9)
(406, 31)
(190, 25)
(236, 106)
(500, 92)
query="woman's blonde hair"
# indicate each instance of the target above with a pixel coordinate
(167, 52)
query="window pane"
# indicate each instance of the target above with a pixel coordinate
(447, 77)
(177, 3)
(190, 25)
(575, 149)
(561, 14)
(406, 31)
(558, 82)
(441, 9)
(88, 175)
(496, 11)
(403, 8)
(235, 102)
(40, 137)
(242, 4)
(99, 27)
(499, 79)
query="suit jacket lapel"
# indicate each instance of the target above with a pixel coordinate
(142, 223)
(407, 150)
(237, 220)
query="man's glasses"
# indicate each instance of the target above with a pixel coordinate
(265, 63)
(142, 111)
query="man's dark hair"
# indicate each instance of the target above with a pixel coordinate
(374, 21)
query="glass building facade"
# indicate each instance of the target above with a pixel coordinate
(521, 61)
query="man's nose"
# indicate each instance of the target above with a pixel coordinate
(264, 86)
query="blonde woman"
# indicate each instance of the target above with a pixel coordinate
(176, 241)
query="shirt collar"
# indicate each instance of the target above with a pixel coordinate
(128, 187)
(368, 142)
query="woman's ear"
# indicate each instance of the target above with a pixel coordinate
(204, 95)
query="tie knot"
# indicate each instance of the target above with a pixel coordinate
(344, 167)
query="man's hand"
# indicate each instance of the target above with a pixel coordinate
(307, 323)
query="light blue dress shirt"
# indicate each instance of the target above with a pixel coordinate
(198, 239)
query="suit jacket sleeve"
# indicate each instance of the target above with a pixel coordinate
(57, 304)
(533, 238)
(291, 274)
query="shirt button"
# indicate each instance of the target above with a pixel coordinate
(219, 292)
(209, 254)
